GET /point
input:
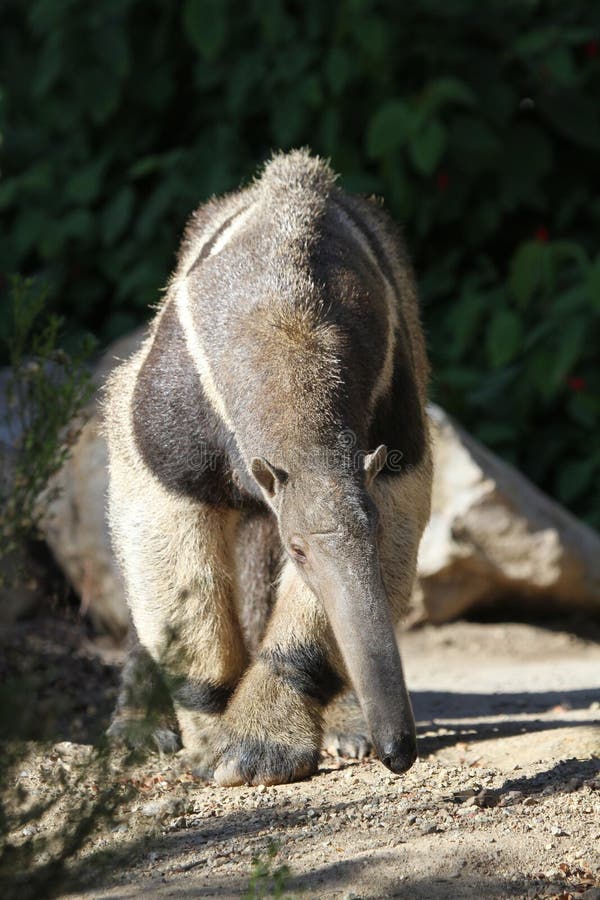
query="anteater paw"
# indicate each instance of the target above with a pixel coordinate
(139, 734)
(349, 745)
(259, 761)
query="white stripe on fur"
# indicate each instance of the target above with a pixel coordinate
(234, 226)
(385, 374)
(197, 352)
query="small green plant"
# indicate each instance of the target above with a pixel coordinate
(265, 880)
(46, 391)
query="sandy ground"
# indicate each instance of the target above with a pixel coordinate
(503, 802)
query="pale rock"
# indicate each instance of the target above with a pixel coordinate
(493, 535)
(75, 523)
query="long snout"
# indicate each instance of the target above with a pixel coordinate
(362, 625)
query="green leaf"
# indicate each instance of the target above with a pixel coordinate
(573, 115)
(29, 226)
(389, 128)
(584, 409)
(84, 185)
(527, 156)
(537, 41)
(574, 478)
(99, 93)
(567, 304)
(494, 433)
(111, 48)
(373, 36)
(289, 117)
(538, 363)
(527, 270)
(459, 377)
(338, 69)
(463, 319)
(572, 339)
(493, 388)
(561, 65)
(569, 250)
(474, 144)
(427, 146)
(593, 284)
(49, 65)
(116, 215)
(275, 23)
(504, 337)
(446, 90)
(146, 165)
(9, 191)
(205, 26)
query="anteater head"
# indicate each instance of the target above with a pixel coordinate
(329, 526)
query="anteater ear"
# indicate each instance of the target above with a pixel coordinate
(269, 477)
(374, 463)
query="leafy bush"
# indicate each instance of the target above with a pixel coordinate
(46, 391)
(478, 122)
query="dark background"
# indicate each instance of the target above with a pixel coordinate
(477, 120)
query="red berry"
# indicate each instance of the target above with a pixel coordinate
(442, 181)
(576, 382)
(542, 234)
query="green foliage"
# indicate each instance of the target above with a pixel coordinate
(265, 880)
(479, 123)
(45, 393)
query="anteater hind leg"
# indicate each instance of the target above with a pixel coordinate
(176, 557)
(273, 725)
(144, 716)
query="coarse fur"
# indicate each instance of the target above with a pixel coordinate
(287, 345)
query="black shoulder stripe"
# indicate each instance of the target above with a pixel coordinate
(203, 696)
(305, 668)
(386, 269)
(212, 241)
(398, 420)
(370, 238)
(177, 433)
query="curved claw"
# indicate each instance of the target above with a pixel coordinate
(258, 762)
(348, 745)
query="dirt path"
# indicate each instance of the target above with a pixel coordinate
(504, 801)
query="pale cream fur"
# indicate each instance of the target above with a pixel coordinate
(176, 558)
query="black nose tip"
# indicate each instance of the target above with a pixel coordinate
(399, 754)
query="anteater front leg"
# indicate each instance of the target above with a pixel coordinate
(176, 556)
(273, 726)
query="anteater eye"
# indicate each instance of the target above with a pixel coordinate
(298, 554)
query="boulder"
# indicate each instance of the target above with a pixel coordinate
(493, 536)
(75, 524)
